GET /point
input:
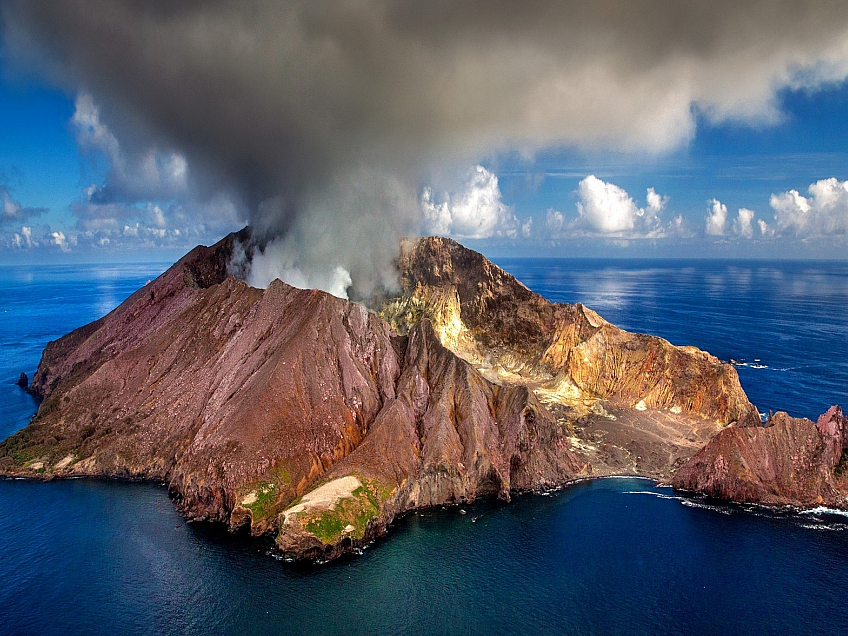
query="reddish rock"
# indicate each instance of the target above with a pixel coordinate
(295, 412)
(788, 461)
(243, 400)
(448, 436)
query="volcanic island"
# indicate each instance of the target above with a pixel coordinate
(318, 421)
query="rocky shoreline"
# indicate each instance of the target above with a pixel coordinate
(295, 414)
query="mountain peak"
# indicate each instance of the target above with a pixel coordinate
(295, 412)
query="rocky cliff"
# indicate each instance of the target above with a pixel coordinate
(790, 460)
(297, 413)
(634, 403)
(566, 351)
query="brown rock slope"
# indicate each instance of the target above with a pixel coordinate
(789, 461)
(292, 411)
(448, 436)
(634, 403)
(248, 400)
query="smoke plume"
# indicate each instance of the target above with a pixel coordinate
(323, 120)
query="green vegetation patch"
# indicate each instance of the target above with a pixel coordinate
(329, 525)
(21, 450)
(28, 454)
(841, 468)
(266, 499)
(269, 494)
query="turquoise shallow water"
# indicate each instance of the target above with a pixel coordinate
(615, 556)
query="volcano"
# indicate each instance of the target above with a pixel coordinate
(318, 421)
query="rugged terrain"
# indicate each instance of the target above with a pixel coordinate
(633, 403)
(297, 413)
(789, 461)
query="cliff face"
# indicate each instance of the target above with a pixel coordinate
(567, 352)
(633, 403)
(294, 412)
(447, 437)
(212, 386)
(789, 461)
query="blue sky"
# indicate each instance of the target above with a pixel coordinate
(739, 164)
(43, 166)
(748, 156)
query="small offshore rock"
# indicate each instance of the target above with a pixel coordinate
(23, 381)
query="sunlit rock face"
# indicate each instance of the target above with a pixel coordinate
(567, 353)
(297, 413)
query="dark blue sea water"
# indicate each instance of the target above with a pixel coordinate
(614, 556)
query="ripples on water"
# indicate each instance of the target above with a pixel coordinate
(600, 557)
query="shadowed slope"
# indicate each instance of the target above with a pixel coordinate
(246, 401)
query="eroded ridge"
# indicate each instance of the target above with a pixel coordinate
(296, 413)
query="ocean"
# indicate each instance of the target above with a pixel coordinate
(611, 556)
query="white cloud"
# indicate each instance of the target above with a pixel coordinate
(554, 222)
(24, 239)
(678, 227)
(527, 227)
(36, 237)
(91, 133)
(607, 209)
(60, 240)
(145, 174)
(741, 227)
(157, 216)
(151, 225)
(12, 211)
(743, 224)
(604, 207)
(127, 233)
(824, 212)
(716, 218)
(765, 228)
(477, 212)
(656, 203)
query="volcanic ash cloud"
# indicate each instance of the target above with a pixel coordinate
(323, 121)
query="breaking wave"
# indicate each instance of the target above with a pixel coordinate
(811, 519)
(823, 510)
